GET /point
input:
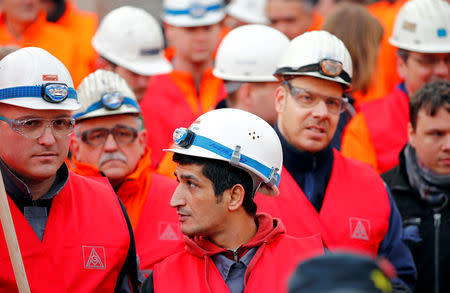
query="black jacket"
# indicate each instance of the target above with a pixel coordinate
(427, 233)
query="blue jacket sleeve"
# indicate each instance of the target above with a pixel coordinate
(393, 248)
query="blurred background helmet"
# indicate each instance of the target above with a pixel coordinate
(249, 11)
(191, 13)
(318, 54)
(250, 53)
(423, 26)
(239, 137)
(105, 93)
(33, 78)
(132, 38)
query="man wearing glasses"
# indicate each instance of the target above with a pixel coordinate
(72, 231)
(321, 191)
(110, 141)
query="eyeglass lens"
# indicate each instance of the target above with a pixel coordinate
(334, 104)
(122, 135)
(34, 128)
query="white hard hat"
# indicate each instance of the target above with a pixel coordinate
(191, 13)
(33, 78)
(249, 11)
(319, 54)
(132, 38)
(423, 26)
(250, 53)
(239, 137)
(105, 93)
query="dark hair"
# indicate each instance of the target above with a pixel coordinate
(402, 53)
(223, 176)
(429, 97)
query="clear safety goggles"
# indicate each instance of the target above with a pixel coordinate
(309, 99)
(33, 128)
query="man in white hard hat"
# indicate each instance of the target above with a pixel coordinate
(224, 157)
(293, 17)
(193, 30)
(422, 35)
(110, 141)
(420, 185)
(246, 60)
(242, 12)
(130, 42)
(323, 192)
(73, 232)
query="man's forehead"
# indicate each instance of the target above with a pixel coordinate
(110, 120)
(13, 111)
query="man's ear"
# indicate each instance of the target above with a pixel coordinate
(280, 99)
(402, 67)
(412, 135)
(236, 197)
(74, 145)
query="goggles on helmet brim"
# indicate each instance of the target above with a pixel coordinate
(50, 92)
(326, 67)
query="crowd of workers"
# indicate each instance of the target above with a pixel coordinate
(238, 146)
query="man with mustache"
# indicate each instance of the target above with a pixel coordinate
(110, 141)
(73, 233)
(421, 33)
(224, 157)
(323, 192)
(420, 185)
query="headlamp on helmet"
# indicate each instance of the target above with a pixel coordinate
(50, 92)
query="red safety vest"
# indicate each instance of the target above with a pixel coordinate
(268, 271)
(85, 243)
(387, 120)
(171, 101)
(158, 233)
(354, 214)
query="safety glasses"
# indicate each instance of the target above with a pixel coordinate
(308, 99)
(33, 128)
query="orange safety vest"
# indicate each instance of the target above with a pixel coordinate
(354, 216)
(146, 197)
(268, 271)
(85, 243)
(172, 101)
(387, 77)
(82, 26)
(43, 34)
(378, 139)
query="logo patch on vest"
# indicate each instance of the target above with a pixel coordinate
(94, 257)
(359, 228)
(169, 231)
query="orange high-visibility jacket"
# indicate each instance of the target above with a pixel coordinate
(172, 101)
(377, 134)
(43, 34)
(82, 26)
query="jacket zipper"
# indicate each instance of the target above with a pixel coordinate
(437, 224)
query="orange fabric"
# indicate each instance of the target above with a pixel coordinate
(133, 191)
(317, 22)
(357, 143)
(388, 76)
(208, 90)
(43, 34)
(82, 26)
(167, 166)
(171, 101)
(373, 92)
